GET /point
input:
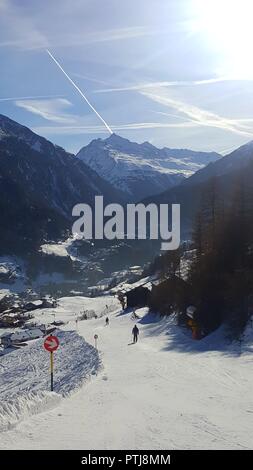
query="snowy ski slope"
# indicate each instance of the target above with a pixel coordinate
(165, 392)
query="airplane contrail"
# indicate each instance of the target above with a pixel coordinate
(80, 92)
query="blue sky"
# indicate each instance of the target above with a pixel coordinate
(176, 73)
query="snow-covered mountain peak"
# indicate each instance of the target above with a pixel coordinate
(141, 169)
(148, 145)
(116, 139)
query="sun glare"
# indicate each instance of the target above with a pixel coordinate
(228, 25)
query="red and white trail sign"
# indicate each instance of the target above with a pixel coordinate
(51, 343)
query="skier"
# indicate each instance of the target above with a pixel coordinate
(107, 321)
(135, 333)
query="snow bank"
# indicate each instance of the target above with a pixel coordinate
(25, 379)
(20, 408)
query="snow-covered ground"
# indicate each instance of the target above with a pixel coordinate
(12, 275)
(165, 392)
(66, 248)
(25, 378)
(70, 308)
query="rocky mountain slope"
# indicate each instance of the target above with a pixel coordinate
(222, 178)
(39, 184)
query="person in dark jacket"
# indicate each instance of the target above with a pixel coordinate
(107, 321)
(135, 332)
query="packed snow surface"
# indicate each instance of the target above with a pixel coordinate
(165, 392)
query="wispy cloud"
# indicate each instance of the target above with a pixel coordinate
(80, 129)
(17, 98)
(118, 34)
(198, 115)
(24, 34)
(173, 115)
(51, 110)
(90, 79)
(165, 84)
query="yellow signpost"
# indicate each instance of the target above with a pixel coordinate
(51, 343)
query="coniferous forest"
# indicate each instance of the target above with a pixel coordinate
(219, 281)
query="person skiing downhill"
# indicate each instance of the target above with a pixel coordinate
(135, 332)
(107, 321)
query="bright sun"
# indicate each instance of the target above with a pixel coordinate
(228, 24)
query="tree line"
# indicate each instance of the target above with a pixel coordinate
(219, 281)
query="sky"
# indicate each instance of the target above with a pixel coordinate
(176, 73)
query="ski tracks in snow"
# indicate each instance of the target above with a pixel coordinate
(147, 397)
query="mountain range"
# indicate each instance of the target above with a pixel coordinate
(141, 170)
(40, 182)
(220, 180)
